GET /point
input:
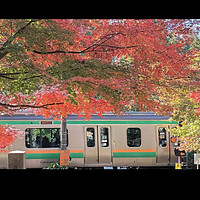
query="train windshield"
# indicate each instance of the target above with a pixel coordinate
(42, 137)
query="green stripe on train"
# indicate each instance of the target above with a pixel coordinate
(43, 156)
(19, 122)
(81, 155)
(118, 122)
(91, 122)
(133, 154)
(76, 155)
(51, 155)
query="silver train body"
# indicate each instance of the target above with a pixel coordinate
(133, 139)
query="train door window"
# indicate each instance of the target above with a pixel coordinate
(162, 135)
(42, 137)
(90, 137)
(104, 137)
(134, 137)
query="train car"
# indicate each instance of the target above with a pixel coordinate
(131, 140)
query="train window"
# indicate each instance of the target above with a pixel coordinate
(42, 137)
(162, 136)
(104, 137)
(134, 137)
(90, 137)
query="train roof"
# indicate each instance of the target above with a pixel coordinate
(108, 116)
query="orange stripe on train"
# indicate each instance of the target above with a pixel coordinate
(53, 151)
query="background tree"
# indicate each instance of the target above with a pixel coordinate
(187, 107)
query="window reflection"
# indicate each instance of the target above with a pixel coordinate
(42, 137)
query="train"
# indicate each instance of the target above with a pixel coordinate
(134, 139)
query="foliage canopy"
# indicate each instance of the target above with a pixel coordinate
(63, 66)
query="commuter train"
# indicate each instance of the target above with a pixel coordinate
(132, 139)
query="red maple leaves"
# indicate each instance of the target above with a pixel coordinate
(8, 134)
(155, 46)
(57, 103)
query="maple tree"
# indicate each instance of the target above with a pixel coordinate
(64, 66)
(87, 54)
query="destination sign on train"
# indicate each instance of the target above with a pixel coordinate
(46, 122)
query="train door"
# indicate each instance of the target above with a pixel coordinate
(97, 144)
(162, 136)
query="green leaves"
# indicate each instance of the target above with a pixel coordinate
(55, 166)
(196, 42)
(189, 134)
(21, 79)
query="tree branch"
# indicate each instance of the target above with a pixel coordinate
(6, 76)
(13, 73)
(36, 76)
(84, 50)
(92, 47)
(19, 106)
(118, 47)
